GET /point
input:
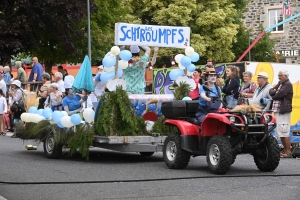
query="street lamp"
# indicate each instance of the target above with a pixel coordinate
(89, 30)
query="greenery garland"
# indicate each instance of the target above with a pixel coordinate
(116, 116)
(159, 127)
(181, 91)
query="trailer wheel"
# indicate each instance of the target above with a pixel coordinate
(219, 155)
(50, 149)
(174, 156)
(146, 153)
(267, 156)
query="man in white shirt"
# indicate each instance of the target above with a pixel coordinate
(60, 83)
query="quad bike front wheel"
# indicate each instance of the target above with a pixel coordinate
(219, 154)
(174, 156)
(267, 155)
(51, 149)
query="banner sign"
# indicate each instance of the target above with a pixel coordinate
(152, 35)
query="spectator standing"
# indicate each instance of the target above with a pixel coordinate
(58, 77)
(3, 110)
(36, 73)
(21, 74)
(2, 84)
(247, 88)
(1, 69)
(261, 95)
(232, 85)
(62, 71)
(282, 95)
(43, 92)
(17, 101)
(6, 78)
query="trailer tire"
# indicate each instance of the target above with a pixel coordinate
(146, 153)
(219, 154)
(267, 156)
(174, 156)
(52, 150)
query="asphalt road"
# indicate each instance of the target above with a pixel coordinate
(75, 178)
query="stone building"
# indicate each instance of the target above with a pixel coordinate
(268, 13)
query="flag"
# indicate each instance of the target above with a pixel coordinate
(286, 8)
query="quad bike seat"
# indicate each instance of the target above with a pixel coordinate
(194, 121)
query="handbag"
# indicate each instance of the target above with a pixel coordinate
(214, 105)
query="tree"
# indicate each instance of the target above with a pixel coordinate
(213, 28)
(52, 30)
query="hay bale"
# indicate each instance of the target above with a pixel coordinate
(247, 108)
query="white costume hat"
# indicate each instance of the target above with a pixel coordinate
(134, 49)
(17, 83)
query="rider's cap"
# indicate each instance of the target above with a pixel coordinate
(210, 71)
(262, 75)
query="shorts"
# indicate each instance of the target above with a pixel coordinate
(283, 124)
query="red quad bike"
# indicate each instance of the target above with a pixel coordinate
(221, 137)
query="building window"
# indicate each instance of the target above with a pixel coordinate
(275, 16)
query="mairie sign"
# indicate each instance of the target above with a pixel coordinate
(151, 35)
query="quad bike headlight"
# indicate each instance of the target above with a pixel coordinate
(232, 119)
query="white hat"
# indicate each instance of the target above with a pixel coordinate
(69, 80)
(263, 75)
(100, 67)
(134, 49)
(16, 82)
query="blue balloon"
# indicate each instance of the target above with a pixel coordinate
(40, 112)
(109, 61)
(98, 77)
(186, 98)
(175, 73)
(75, 119)
(107, 76)
(57, 115)
(185, 61)
(195, 57)
(191, 68)
(32, 110)
(47, 113)
(120, 72)
(125, 55)
(59, 124)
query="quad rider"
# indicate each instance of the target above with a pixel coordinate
(209, 101)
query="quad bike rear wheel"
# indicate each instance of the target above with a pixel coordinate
(219, 154)
(174, 156)
(267, 156)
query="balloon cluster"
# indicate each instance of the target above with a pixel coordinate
(61, 118)
(185, 62)
(109, 61)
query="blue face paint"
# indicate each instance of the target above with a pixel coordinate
(140, 108)
(152, 107)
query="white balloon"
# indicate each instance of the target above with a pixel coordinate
(88, 115)
(35, 118)
(24, 117)
(178, 57)
(109, 69)
(189, 51)
(66, 121)
(123, 64)
(115, 50)
(64, 113)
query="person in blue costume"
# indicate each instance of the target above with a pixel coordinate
(71, 102)
(209, 102)
(134, 75)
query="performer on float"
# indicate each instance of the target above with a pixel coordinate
(134, 75)
(209, 102)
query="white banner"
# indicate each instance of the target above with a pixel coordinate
(151, 35)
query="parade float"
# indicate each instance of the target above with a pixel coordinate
(121, 121)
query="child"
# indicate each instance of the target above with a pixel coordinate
(85, 100)
(55, 99)
(3, 110)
